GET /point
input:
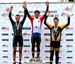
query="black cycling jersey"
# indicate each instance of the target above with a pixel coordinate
(17, 27)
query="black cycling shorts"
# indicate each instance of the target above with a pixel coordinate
(18, 40)
(36, 41)
(55, 44)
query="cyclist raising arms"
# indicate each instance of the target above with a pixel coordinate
(17, 29)
(36, 23)
(55, 31)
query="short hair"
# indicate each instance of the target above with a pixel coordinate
(56, 18)
(17, 15)
(37, 11)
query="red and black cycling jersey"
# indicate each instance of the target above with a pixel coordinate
(36, 22)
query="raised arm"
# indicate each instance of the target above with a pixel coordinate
(65, 25)
(68, 23)
(47, 9)
(12, 21)
(45, 22)
(29, 16)
(25, 13)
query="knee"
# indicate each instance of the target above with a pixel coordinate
(38, 49)
(33, 48)
(14, 49)
(33, 45)
(20, 50)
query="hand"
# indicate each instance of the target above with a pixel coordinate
(47, 13)
(47, 3)
(11, 8)
(24, 5)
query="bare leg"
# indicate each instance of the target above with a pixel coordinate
(14, 53)
(20, 53)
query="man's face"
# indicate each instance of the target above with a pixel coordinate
(37, 14)
(56, 21)
(17, 18)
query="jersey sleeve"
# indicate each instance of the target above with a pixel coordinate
(62, 26)
(42, 18)
(11, 20)
(31, 18)
(24, 18)
(49, 25)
